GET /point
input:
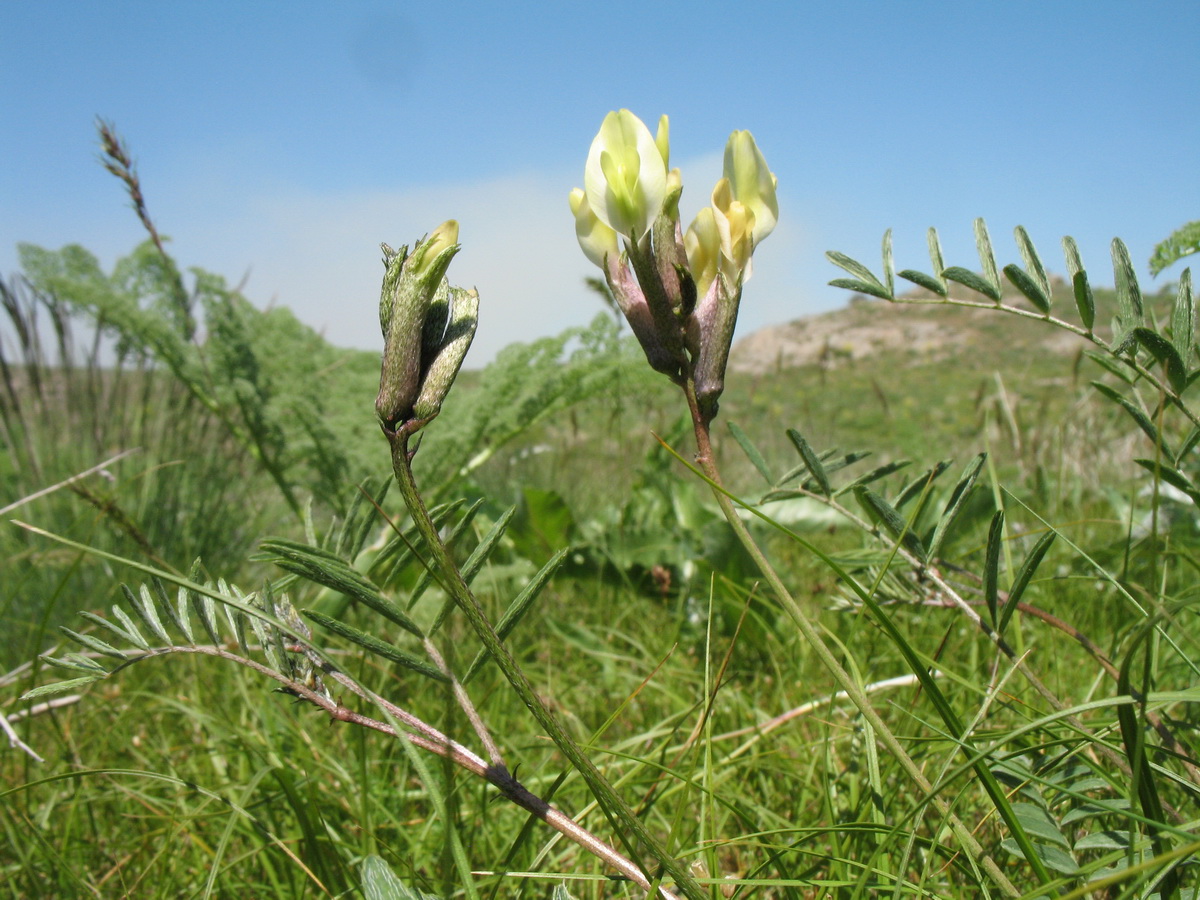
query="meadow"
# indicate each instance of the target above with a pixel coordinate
(994, 538)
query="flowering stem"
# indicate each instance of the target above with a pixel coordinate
(609, 800)
(811, 634)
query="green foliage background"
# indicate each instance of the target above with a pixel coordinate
(187, 777)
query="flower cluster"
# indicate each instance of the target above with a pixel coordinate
(678, 290)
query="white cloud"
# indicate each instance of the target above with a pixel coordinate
(318, 253)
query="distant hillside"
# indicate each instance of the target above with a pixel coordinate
(869, 329)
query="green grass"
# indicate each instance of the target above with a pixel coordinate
(188, 777)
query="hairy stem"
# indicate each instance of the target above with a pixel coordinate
(811, 634)
(460, 591)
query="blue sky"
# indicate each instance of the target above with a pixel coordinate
(282, 142)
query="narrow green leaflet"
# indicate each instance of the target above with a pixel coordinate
(811, 462)
(987, 259)
(1084, 301)
(889, 268)
(919, 484)
(969, 279)
(377, 646)
(75, 662)
(954, 505)
(143, 604)
(333, 572)
(875, 474)
(93, 643)
(886, 515)
(1113, 367)
(991, 567)
(751, 451)
(1166, 354)
(59, 687)
(1129, 295)
(858, 271)
(1142, 420)
(1022, 281)
(1183, 318)
(935, 258)
(1033, 262)
(124, 635)
(1023, 577)
(1171, 476)
(934, 285)
(517, 609)
(861, 287)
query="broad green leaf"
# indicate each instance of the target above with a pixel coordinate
(1114, 806)
(1054, 857)
(1033, 262)
(991, 567)
(1129, 295)
(934, 285)
(856, 269)
(862, 287)
(377, 646)
(987, 259)
(1183, 317)
(1038, 823)
(969, 279)
(751, 451)
(1166, 354)
(1028, 286)
(379, 882)
(1023, 577)
(811, 462)
(957, 497)
(1103, 840)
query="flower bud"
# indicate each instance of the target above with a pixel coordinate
(411, 286)
(447, 358)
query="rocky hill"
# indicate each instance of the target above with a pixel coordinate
(869, 329)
